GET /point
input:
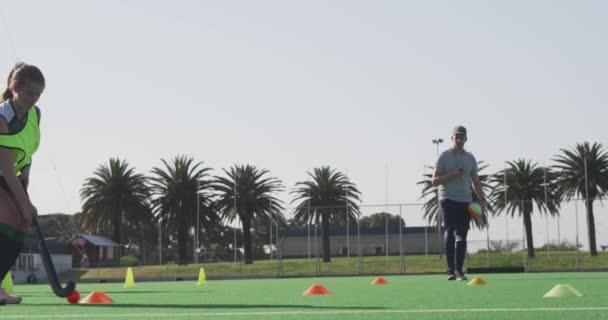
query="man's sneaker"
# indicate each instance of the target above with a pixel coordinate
(460, 276)
(451, 276)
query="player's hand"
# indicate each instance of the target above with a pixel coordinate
(28, 212)
(458, 173)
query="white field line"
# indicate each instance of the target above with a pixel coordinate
(290, 313)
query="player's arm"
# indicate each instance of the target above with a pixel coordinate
(476, 182)
(440, 178)
(479, 191)
(25, 207)
(477, 188)
(25, 177)
(25, 172)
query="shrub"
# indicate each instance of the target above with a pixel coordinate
(129, 261)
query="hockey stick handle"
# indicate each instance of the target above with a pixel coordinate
(50, 268)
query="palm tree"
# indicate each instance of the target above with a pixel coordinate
(329, 195)
(175, 188)
(583, 172)
(526, 184)
(247, 192)
(429, 192)
(115, 199)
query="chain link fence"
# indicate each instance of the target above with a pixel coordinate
(383, 239)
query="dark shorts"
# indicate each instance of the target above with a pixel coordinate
(10, 233)
(6, 229)
(454, 214)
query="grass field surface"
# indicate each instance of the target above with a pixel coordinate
(506, 296)
(552, 261)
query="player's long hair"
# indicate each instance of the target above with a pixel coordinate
(22, 74)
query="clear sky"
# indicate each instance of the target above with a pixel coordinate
(362, 86)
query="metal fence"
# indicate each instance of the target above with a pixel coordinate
(386, 239)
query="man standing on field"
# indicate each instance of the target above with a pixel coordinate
(455, 173)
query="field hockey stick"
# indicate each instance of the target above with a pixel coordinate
(50, 268)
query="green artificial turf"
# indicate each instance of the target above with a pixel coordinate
(547, 262)
(507, 296)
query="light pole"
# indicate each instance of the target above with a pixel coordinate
(160, 243)
(270, 214)
(347, 231)
(235, 215)
(196, 234)
(436, 142)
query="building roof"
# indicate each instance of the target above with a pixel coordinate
(99, 241)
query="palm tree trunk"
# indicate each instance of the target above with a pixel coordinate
(325, 234)
(182, 238)
(116, 224)
(528, 227)
(591, 228)
(247, 240)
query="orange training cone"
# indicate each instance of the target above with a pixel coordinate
(316, 289)
(379, 281)
(96, 297)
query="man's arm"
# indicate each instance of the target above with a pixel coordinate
(440, 178)
(479, 191)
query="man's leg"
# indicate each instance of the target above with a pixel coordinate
(449, 244)
(461, 241)
(445, 207)
(461, 248)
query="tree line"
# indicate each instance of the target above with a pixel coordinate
(129, 206)
(525, 186)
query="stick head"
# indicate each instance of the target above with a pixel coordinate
(61, 292)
